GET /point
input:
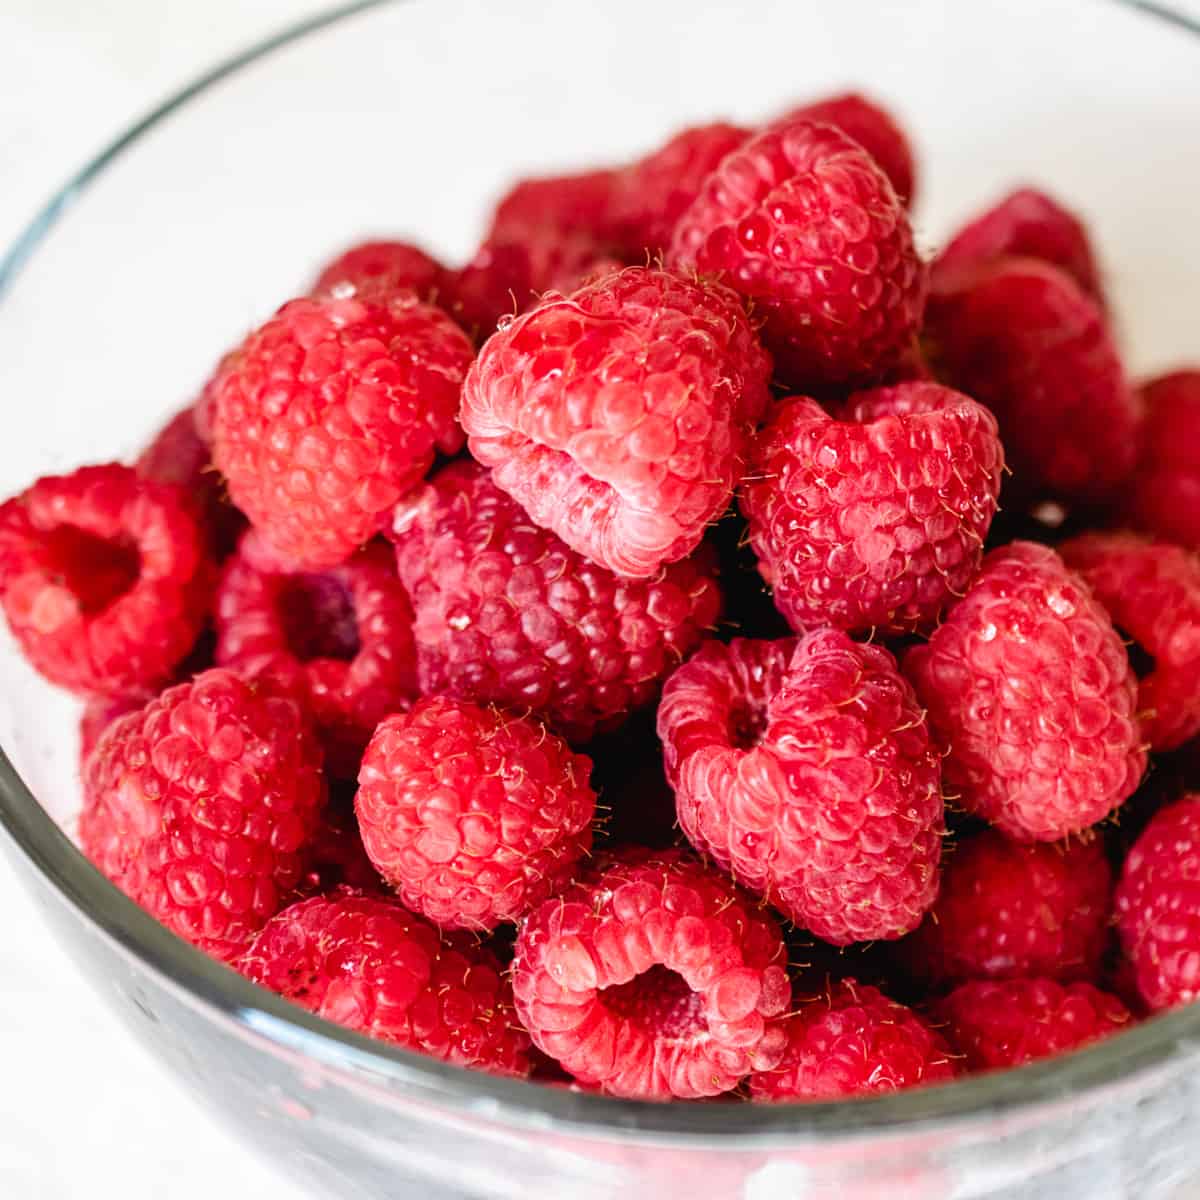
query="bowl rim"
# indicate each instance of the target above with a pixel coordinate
(198, 979)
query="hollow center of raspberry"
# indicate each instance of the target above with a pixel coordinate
(746, 726)
(95, 569)
(659, 1001)
(318, 618)
(1140, 659)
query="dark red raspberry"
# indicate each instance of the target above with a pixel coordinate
(803, 223)
(854, 1041)
(202, 806)
(377, 270)
(473, 815)
(1028, 223)
(1164, 494)
(1023, 338)
(874, 518)
(1158, 906)
(1008, 910)
(105, 578)
(329, 412)
(342, 636)
(1030, 691)
(805, 768)
(506, 613)
(1152, 593)
(873, 128)
(369, 964)
(1012, 1022)
(617, 416)
(336, 854)
(653, 978)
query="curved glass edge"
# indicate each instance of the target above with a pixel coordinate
(1113, 1063)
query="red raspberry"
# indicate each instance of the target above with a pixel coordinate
(201, 806)
(1152, 593)
(1012, 1022)
(330, 412)
(873, 128)
(653, 978)
(1022, 337)
(337, 856)
(1008, 910)
(1164, 495)
(805, 768)
(574, 204)
(1158, 906)
(372, 966)
(854, 1041)
(616, 417)
(875, 520)
(804, 225)
(343, 637)
(99, 713)
(1027, 223)
(508, 614)
(105, 578)
(377, 270)
(474, 816)
(1029, 689)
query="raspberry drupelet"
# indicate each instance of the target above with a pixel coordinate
(105, 578)
(653, 978)
(473, 815)
(508, 614)
(804, 767)
(617, 416)
(875, 517)
(329, 412)
(378, 269)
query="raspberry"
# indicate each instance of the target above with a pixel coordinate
(99, 713)
(616, 417)
(201, 806)
(343, 637)
(1164, 494)
(377, 270)
(337, 857)
(1012, 1022)
(653, 978)
(805, 769)
(105, 578)
(1023, 338)
(875, 520)
(1026, 223)
(329, 412)
(1158, 906)
(1030, 691)
(474, 816)
(505, 613)
(1152, 593)
(854, 1041)
(372, 966)
(873, 128)
(572, 204)
(804, 225)
(1008, 910)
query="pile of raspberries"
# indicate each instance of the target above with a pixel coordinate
(698, 647)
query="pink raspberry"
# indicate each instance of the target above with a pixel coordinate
(1012, 1022)
(202, 806)
(507, 614)
(377, 270)
(105, 578)
(1023, 338)
(854, 1041)
(1030, 692)
(473, 815)
(99, 713)
(342, 636)
(617, 416)
(1158, 906)
(1008, 910)
(1152, 592)
(369, 964)
(805, 769)
(329, 412)
(805, 226)
(653, 978)
(873, 518)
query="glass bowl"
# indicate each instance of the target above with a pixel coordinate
(199, 221)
